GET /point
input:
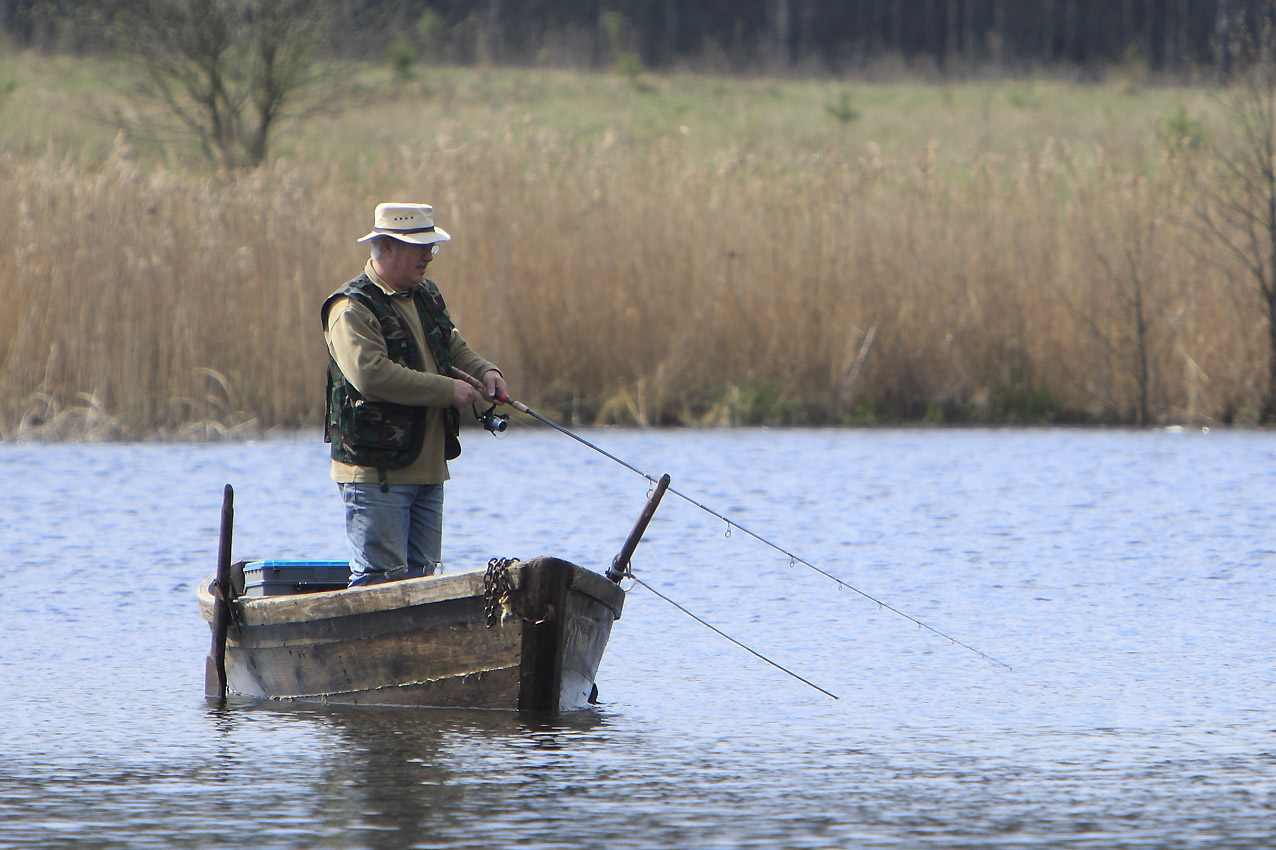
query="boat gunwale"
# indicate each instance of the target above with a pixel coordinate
(344, 602)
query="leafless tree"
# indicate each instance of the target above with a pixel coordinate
(228, 70)
(1238, 194)
(1136, 317)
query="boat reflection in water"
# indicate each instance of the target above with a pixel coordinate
(408, 773)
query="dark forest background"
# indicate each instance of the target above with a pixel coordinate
(1180, 37)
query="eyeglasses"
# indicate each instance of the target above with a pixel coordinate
(434, 247)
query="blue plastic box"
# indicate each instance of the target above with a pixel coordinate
(282, 578)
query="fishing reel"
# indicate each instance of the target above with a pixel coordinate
(494, 423)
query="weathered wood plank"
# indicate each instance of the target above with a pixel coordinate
(488, 689)
(365, 663)
(543, 599)
(343, 603)
(446, 614)
(425, 642)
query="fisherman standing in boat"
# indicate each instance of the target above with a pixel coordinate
(392, 409)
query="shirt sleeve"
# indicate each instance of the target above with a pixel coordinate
(355, 342)
(467, 359)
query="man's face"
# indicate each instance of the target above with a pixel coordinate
(403, 264)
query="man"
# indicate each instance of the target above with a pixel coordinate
(392, 406)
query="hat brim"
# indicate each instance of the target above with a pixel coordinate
(438, 234)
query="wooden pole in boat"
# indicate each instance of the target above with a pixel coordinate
(620, 564)
(215, 666)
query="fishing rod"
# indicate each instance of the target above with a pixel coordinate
(793, 559)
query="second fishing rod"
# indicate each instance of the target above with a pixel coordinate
(488, 417)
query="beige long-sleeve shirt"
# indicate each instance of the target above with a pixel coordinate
(355, 342)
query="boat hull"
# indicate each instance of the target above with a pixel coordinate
(427, 642)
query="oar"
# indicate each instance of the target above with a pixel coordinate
(215, 665)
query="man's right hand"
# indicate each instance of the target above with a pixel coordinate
(463, 395)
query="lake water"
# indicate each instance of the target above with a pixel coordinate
(1125, 577)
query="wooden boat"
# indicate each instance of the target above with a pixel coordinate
(521, 635)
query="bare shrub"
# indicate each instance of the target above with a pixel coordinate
(228, 71)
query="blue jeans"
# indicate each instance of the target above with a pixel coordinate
(393, 535)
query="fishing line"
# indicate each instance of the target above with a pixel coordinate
(711, 627)
(731, 524)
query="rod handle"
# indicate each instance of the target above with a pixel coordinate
(474, 382)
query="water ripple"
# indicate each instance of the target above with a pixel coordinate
(1123, 575)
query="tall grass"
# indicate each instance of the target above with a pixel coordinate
(623, 273)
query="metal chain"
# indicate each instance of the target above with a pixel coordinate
(497, 588)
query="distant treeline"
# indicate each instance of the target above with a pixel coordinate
(1174, 36)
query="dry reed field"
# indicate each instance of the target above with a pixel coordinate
(628, 277)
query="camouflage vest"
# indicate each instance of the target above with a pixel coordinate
(382, 434)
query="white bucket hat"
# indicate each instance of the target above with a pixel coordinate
(407, 223)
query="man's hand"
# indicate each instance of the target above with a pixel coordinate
(494, 388)
(463, 395)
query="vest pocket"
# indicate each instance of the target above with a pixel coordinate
(378, 425)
